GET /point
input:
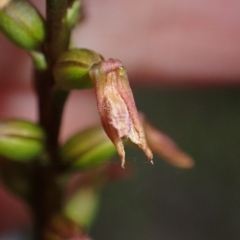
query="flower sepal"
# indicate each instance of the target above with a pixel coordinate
(116, 106)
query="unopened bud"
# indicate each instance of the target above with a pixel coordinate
(74, 13)
(22, 23)
(71, 71)
(81, 208)
(20, 140)
(87, 149)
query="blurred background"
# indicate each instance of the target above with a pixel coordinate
(163, 202)
(183, 60)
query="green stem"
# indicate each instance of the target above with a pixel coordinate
(46, 194)
(57, 41)
(58, 31)
(46, 202)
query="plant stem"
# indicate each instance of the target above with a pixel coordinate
(46, 194)
(52, 101)
(58, 32)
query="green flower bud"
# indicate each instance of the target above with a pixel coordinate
(87, 149)
(21, 140)
(22, 23)
(74, 13)
(71, 70)
(82, 207)
(39, 60)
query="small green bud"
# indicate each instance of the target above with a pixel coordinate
(82, 207)
(22, 23)
(72, 68)
(39, 60)
(74, 13)
(87, 149)
(20, 140)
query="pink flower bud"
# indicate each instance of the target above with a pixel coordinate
(116, 106)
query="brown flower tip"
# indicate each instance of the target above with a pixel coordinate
(116, 106)
(165, 147)
(3, 3)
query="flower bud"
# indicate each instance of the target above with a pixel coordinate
(87, 149)
(81, 208)
(21, 140)
(22, 23)
(116, 106)
(72, 69)
(39, 60)
(74, 13)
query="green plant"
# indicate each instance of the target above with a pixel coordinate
(33, 163)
